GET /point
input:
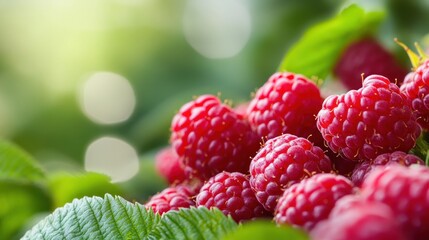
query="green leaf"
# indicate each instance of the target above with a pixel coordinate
(195, 223)
(115, 218)
(66, 186)
(265, 230)
(15, 164)
(315, 54)
(18, 202)
(96, 218)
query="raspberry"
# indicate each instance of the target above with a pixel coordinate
(281, 162)
(406, 192)
(375, 119)
(172, 198)
(286, 103)
(367, 56)
(358, 220)
(363, 169)
(306, 203)
(416, 88)
(168, 165)
(231, 193)
(210, 138)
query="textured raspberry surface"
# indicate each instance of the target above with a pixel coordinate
(172, 198)
(358, 220)
(375, 119)
(169, 166)
(231, 193)
(286, 103)
(281, 162)
(210, 138)
(362, 169)
(406, 192)
(416, 88)
(366, 56)
(306, 203)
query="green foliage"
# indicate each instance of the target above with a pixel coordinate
(115, 218)
(21, 192)
(194, 223)
(18, 202)
(314, 55)
(265, 230)
(15, 164)
(66, 186)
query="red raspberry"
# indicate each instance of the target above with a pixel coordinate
(362, 124)
(286, 103)
(416, 88)
(281, 162)
(367, 56)
(406, 192)
(306, 203)
(172, 198)
(231, 193)
(363, 169)
(210, 138)
(169, 166)
(358, 220)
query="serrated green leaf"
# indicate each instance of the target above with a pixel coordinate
(97, 218)
(18, 202)
(265, 230)
(115, 218)
(16, 164)
(66, 186)
(195, 223)
(315, 54)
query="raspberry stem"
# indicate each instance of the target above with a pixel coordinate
(416, 59)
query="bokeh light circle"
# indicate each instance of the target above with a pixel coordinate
(217, 28)
(107, 98)
(113, 157)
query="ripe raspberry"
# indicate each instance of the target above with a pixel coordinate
(306, 203)
(363, 169)
(416, 88)
(210, 137)
(281, 162)
(169, 166)
(362, 124)
(360, 220)
(406, 192)
(367, 56)
(231, 193)
(172, 198)
(286, 103)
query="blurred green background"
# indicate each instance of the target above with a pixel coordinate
(167, 51)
